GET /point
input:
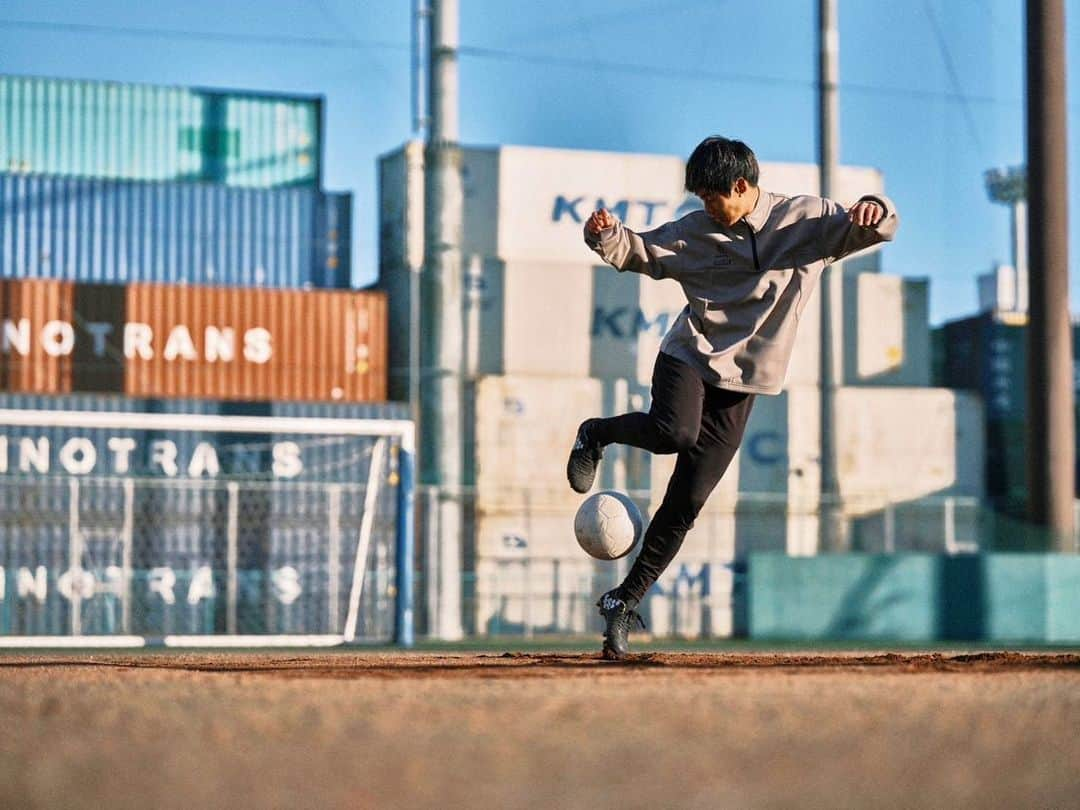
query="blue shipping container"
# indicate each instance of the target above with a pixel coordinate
(119, 231)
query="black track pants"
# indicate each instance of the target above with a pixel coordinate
(701, 423)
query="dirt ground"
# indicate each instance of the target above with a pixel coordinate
(347, 729)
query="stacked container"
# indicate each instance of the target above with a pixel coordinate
(159, 245)
(987, 353)
(552, 336)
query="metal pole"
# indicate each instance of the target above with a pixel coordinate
(833, 537)
(75, 556)
(421, 18)
(232, 532)
(404, 613)
(333, 558)
(441, 387)
(1051, 448)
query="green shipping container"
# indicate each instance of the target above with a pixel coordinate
(142, 132)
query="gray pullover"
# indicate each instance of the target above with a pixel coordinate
(746, 285)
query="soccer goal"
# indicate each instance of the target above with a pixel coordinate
(136, 529)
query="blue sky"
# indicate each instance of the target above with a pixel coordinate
(931, 90)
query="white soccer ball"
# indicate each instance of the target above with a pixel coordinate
(608, 525)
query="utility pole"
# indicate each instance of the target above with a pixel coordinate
(833, 536)
(441, 390)
(1051, 442)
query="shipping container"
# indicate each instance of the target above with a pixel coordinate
(126, 131)
(171, 341)
(524, 429)
(528, 249)
(116, 231)
(886, 324)
(228, 343)
(527, 594)
(529, 203)
(988, 354)
(37, 320)
(902, 444)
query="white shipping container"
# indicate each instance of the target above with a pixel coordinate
(530, 595)
(538, 300)
(886, 330)
(694, 598)
(530, 203)
(543, 320)
(525, 427)
(900, 444)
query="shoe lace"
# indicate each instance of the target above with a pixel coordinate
(628, 615)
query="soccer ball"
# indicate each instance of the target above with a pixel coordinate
(608, 525)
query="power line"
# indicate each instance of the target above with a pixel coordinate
(696, 74)
(496, 54)
(211, 36)
(607, 18)
(631, 68)
(954, 76)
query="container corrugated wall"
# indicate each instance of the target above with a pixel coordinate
(144, 132)
(285, 345)
(988, 353)
(37, 334)
(170, 341)
(114, 231)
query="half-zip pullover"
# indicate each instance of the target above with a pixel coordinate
(745, 285)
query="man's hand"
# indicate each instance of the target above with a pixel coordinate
(599, 220)
(866, 213)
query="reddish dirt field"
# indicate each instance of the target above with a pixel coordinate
(347, 729)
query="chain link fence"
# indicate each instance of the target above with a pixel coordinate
(526, 576)
(160, 557)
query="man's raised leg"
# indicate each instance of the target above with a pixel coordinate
(670, 426)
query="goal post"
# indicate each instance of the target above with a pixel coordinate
(122, 529)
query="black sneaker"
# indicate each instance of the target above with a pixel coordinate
(585, 455)
(620, 614)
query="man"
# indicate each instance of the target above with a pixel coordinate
(748, 264)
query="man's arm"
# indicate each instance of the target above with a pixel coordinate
(871, 220)
(647, 253)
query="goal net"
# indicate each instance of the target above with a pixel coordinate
(126, 529)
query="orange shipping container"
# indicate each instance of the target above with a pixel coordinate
(254, 344)
(37, 336)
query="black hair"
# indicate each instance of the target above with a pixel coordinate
(717, 163)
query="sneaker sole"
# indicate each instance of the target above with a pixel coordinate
(611, 655)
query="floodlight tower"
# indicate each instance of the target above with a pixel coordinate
(1008, 186)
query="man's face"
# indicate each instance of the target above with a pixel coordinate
(729, 208)
(724, 208)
